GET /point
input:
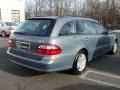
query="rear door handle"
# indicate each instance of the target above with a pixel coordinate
(86, 39)
(76, 37)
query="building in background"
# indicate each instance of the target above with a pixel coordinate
(12, 10)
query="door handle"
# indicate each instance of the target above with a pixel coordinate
(76, 37)
(86, 39)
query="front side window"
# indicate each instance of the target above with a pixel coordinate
(68, 29)
(99, 28)
(36, 27)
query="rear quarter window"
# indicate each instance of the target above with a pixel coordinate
(68, 28)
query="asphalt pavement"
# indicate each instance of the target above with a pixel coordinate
(103, 73)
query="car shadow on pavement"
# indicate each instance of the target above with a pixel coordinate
(9, 67)
(82, 86)
(106, 63)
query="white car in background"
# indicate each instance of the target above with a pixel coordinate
(116, 31)
(6, 28)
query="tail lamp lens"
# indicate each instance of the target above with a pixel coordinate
(10, 44)
(48, 49)
(10, 28)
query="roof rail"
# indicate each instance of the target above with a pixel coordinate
(76, 16)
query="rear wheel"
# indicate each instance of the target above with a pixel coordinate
(80, 62)
(3, 34)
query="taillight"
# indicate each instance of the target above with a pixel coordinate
(10, 43)
(48, 49)
(10, 28)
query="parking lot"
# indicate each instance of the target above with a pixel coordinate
(103, 73)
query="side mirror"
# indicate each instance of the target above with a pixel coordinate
(109, 32)
(105, 33)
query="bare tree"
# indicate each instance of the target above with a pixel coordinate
(106, 11)
(67, 7)
(57, 7)
(29, 9)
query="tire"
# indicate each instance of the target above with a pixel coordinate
(80, 62)
(3, 34)
(114, 49)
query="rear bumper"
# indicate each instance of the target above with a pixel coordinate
(44, 65)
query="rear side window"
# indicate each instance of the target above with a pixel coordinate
(1, 24)
(36, 27)
(10, 24)
(68, 29)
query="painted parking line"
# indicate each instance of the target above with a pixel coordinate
(102, 78)
(3, 39)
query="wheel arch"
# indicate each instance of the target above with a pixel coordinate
(85, 50)
(116, 40)
(2, 32)
(75, 60)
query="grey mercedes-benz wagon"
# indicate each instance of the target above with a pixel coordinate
(59, 43)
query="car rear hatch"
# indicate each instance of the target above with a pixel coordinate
(29, 35)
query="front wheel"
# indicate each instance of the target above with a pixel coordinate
(3, 34)
(114, 49)
(80, 62)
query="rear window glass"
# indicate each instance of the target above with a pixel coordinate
(10, 24)
(36, 27)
